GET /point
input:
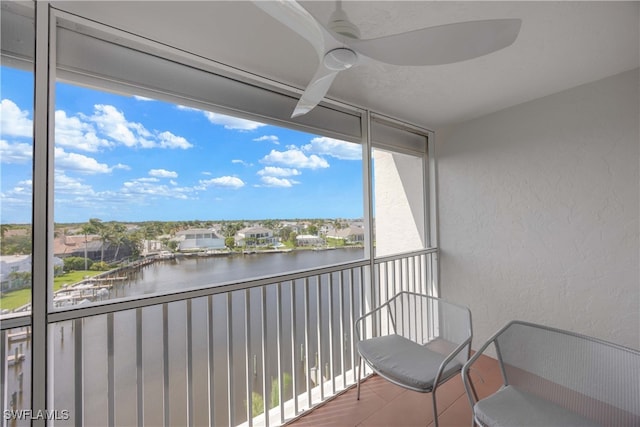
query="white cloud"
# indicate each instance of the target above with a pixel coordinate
(229, 122)
(76, 133)
(169, 140)
(232, 123)
(335, 148)
(295, 158)
(272, 181)
(18, 196)
(142, 98)
(185, 108)
(67, 185)
(137, 191)
(277, 171)
(13, 121)
(108, 127)
(241, 162)
(163, 173)
(112, 123)
(15, 153)
(149, 187)
(81, 163)
(270, 138)
(223, 181)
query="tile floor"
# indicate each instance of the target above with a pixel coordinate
(384, 404)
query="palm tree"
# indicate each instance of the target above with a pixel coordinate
(117, 235)
(103, 231)
(86, 230)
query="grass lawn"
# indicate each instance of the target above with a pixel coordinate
(15, 299)
(71, 278)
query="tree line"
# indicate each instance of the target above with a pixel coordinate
(120, 235)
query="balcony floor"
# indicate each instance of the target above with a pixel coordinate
(384, 404)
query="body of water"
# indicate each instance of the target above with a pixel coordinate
(251, 358)
(196, 271)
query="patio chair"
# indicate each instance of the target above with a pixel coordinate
(415, 341)
(553, 377)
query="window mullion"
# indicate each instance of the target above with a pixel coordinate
(42, 212)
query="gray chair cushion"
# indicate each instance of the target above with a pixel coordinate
(404, 361)
(510, 407)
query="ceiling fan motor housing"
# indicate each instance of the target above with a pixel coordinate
(339, 23)
(340, 59)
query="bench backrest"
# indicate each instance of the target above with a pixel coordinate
(594, 378)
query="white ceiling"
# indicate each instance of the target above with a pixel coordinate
(561, 45)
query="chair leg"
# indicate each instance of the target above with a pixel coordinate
(359, 376)
(435, 409)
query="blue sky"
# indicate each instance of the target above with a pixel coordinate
(128, 158)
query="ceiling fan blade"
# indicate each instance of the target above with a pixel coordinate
(316, 90)
(442, 44)
(294, 16)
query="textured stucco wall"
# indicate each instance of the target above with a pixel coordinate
(539, 212)
(399, 203)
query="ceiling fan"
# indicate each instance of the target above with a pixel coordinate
(339, 46)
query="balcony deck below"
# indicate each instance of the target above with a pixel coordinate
(384, 404)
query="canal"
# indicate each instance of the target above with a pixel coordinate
(253, 354)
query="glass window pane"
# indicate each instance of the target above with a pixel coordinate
(152, 196)
(16, 156)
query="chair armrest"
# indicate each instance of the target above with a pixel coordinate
(466, 379)
(450, 357)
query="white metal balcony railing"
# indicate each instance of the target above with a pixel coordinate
(282, 345)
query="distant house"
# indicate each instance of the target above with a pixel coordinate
(255, 236)
(325, 229)
(349, 234)
(309, 240)
(12, 265)
(92, 246)
(293, 226)
(150, 247)
(73, 245)
(196, 239)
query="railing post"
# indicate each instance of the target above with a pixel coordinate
(111, 397)
(210, 354)
(247, 355)
(79, 373)
(279, 350)
(330, 316)
(319, 364)
(230, 391)
(189, 349)
(165, 365)
(294, 330)
(3, 372)
(307, 363)
(139, 370)
(265, 365)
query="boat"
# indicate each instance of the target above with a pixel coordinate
(166, 255)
